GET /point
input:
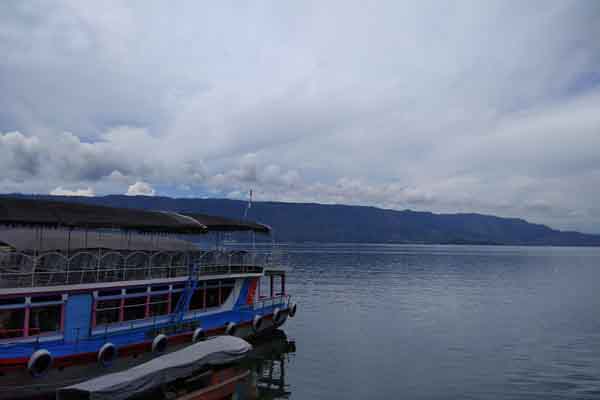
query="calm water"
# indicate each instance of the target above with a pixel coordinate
(444, 322)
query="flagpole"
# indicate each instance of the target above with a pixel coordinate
(249, 205)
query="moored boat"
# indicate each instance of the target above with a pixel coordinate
(146, 378)
(121, 289)
(261, 374)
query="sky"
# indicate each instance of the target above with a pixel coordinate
(463, 106)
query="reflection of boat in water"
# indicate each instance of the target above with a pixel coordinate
(117, 292)
(269, 364)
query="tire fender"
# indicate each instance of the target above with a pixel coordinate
(199, 335)
(107, 354)
(40, 363)
(257, 323)
(276, 315)
(159, 344)
(230, 328)
(292, 310)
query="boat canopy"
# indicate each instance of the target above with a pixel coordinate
(47, 213)
(24, 239)
(222, 224)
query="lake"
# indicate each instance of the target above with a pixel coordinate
(444, 322)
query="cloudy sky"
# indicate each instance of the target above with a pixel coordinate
(476, 106)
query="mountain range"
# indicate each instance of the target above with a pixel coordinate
(311, 222)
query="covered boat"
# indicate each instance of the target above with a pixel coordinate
(160, 371)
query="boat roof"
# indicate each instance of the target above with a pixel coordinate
(49, 213)
(222, 224)
(22, 212)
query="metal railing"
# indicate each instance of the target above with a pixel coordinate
(262, 303)
(55, 268)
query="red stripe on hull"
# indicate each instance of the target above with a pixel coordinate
(224, 384)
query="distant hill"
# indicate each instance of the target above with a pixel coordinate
(309, 222)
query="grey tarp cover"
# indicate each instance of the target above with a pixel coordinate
(179, 364)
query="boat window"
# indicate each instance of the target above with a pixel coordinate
(137, 290)
(212, 284)
(159, 305)
(263, 287)
(197, 301)
(109, 293)
(175, 299)
(12, 323)
(44, 319)
(107, 311)
(46, 299)
(15, 300)
(225, 292)
(212, 297)
(137, 303)
(135, 308)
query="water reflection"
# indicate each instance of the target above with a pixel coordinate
(260, 376)
(268, 362)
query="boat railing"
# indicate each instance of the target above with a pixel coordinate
(17, 333)
(55, 268)
(261, 303)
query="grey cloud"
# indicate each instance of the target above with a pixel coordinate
(62, 156)
(19, 155)
(466, 106)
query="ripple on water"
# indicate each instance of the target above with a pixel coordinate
(438, 322)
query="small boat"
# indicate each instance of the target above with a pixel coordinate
(88, 290)
(261, 374)
(162, 371)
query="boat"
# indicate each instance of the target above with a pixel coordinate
(260, 374)
(142, 380)
(88, 290)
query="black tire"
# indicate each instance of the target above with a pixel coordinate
(40, 363)
(231, 329)
(199, 335)
(107, 355)
(292, 310)
(257, 323)
(159, 344)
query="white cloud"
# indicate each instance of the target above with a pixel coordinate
(59, 191)
(140, 189)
